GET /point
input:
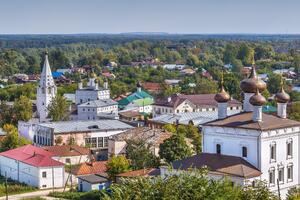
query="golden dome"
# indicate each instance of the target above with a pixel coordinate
(257, 99)
(282, 96)
(222, 96)
(252, 83)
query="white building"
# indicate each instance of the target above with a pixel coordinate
(33, 166)
(92, 91)
(96, 109)
(265, 142)
(46, 91)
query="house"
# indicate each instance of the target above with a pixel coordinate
(69, 154)
(132, 117)
(172, 82)
(265, 145)
(173, 66)
(117, 143)
(92, 167)
(96, 109)
(187, 71)
(149, 172)
(33, 166)
(93, 134)
(154, 88)
(180, 103)
(90, 182)
(140, 100)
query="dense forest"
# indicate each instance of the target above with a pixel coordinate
(24, 54)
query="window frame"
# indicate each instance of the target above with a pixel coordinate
(44, 174)
(272, 178)
(281, 174)
(218, 148)
(290, 169)
(273, 157)
(289, 148)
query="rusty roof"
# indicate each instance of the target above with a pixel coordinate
(244, 120)
(94, 167)
(217, 163)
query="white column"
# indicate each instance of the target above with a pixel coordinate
(246, 104)
(105, 85)
(281, 110)
(80, 85)
(257, 113)
(222, 110)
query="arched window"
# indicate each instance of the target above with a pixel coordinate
(49, 90)
(244, 152)
(218, 148)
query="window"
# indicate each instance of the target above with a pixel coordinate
(272, 176)
(290, 173)
(273, 152)
(44, 174)
(100, 141)
(289, 148)
(281, 175)
(91, 142)
(44, 186)
(106, 141)
(49, 90)
(68, 160)
(218, 149)
(244, 152)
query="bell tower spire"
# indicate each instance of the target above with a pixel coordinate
(46, 90)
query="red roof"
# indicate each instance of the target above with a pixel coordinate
(32, 155)
(67, 150)
(90, 168)
(155, 87)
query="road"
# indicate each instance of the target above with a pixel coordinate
(40, 193)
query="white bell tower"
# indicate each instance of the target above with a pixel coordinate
(46, 91)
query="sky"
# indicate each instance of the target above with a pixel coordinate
(171, 16)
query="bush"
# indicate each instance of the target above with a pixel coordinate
(95, 194)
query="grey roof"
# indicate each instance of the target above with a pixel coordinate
(94, 178)
(86, 126)
(99, 103)
(198, 118)
(70, 97)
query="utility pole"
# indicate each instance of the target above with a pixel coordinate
(6, 189)
(279, 196)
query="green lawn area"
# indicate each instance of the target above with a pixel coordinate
(76, 195)
(14, 187)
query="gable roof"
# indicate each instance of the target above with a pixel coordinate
(94, 167)
(134, 96)
(217, 163)
(94, 178)
(99, 103)
(200, 100)
(244, 120)
(32, 155)
(67, 150)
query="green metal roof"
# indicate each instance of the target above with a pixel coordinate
(134, 97)
(269, 109)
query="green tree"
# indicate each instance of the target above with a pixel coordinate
(274, 83)
(246, 54)
(174, 148)
(12, 139)
(22, 109)
(293, 193)
(58, 108)
(116, 165)
(294, 111)
(139, 152)
(230, 54)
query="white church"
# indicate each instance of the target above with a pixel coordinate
(46, 91)
(250, 145)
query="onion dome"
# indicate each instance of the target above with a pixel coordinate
(252, 83)
(282, 96)
(222, 96)
(257, 99)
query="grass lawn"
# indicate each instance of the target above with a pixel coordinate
(14, 187)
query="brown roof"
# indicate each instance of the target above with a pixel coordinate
(217, 163)
(130, 113)
(90, 168)
(68, 150)
(244, 120)
(141, 172)
(155, 87)
(200, 100)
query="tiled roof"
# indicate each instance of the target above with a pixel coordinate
(130, 113)
(141, 172)
(217, 163)
(95, 167)
(244, 120)
(199, 100)
(32, 155)
(67, 150)
(99, 103)
(152, 86)
(85, 126)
